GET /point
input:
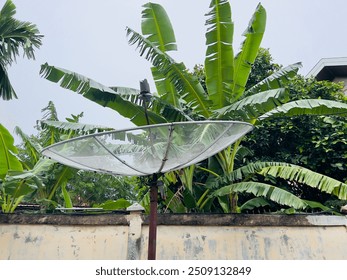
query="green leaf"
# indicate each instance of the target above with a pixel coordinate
(66, 196)
(270, 192)
(66, 127)
(249, 50)
(318, 205)
(173, 201)
(33, 148)
(186, 84)
(276, 80)
(99, 93)
(16, 189)
(114, 204)
(170, 112)
(243, 173)
(307, 107)
(16, 37)
(251, 107)
(254, 203)
(219, 62)
(7, 92)
(61, 179)
(157, 28)
(166, 89)
(310, 178)
(8, 152)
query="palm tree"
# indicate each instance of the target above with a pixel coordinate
(15, 35)
(182, 97)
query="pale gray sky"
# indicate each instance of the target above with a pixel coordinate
(88, 37)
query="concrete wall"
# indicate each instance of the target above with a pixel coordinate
(214, 236)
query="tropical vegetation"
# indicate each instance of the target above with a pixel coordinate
(245, 87)
(224, 95)
(16, 36)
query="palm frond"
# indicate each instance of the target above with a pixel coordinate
(6, 90)
(16, 35)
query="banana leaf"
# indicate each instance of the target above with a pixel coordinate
(66, 127)
(187, 86)
(310, 178)
(268, 191)
(249, 51)
(157, 28)
(251, 107)
(169, 111)
(66, 196)
(166, 89)
(8, 152)
(219, 62)
(276, 80)
(33, 148)
(99, 93)
(243, 173)
(307, 107)
(255, 202)
(118, 204)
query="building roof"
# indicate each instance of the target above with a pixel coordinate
(329, 68)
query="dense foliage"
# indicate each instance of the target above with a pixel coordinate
(291, 116)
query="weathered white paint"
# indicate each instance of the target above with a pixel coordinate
(50, 242)
(201, 237)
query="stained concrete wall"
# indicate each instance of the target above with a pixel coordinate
(125, 236)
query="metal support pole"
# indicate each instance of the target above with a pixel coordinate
(145, 96)
(152, 235)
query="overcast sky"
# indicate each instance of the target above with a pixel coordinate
(88, 37)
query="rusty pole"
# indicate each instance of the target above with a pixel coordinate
(153, 214)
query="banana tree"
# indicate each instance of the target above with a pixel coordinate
(8, 153)
(9, 162)
(56, 176)
(180, 95)
(242, 180)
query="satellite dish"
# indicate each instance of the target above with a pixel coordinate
(148, 150)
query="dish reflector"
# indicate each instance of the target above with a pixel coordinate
(148, 149)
